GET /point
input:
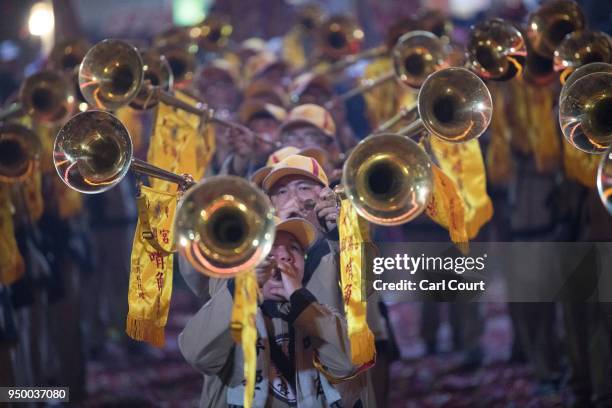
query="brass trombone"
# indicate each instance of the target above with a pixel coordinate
(157, 72)
(496, 50)
(67, 55)
(435, 22)
(224, 225)
(604, 180)
(388, 177)
(551, 22)
(180, 50)
(339, 36)
(46, 95)
(585, 112)
(416, 55)
(581, 72)
(19, 151)
(112, 75)
(580, 48)
(453, 104)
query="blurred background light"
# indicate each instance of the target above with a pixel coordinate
(41, 21)
(189, 12)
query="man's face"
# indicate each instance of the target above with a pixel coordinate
(267, 130)
(241, 142)
(286, 249)
(296, 196)
(220, 92)
(276, 74)
(303, 136)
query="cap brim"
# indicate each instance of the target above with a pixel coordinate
(318, 154)
(290, 123)
(302, 230)
(277, 174)
(259, 175)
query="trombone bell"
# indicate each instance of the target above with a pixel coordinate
(47, 96)
(585, 113)
(581, 48)
(19, 149)
(496, 50)
(158, 73)
(92, 152)
(388, 179)
(551, 22)
(224, 225)
(416, 55)
(455, 105)
(111, 74)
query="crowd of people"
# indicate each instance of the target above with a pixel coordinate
(70, 301)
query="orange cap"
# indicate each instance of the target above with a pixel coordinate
(295, 165)
(216, 67)
(311, 114)
(314, 152)
(259, 63)
(305, 81)
(261, 88)
(301, 229)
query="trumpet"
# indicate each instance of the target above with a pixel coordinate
(551, 22)
(453, 104)
(19, 151)
(46, 96)
(496, 50)
(604, 180)
(416, 55)
(223, 225)
(585, 112)
(580, 48)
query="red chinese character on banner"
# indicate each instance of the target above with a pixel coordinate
(458, 166)
(158, 258)
(165, 236)
(348, 289)
(159, 278)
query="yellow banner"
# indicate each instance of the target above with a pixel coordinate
(381, 101)
(580, 166)
(132, 121)
(353, 232)
(462, 163)
(244, 331)
(150, 284)
(499, 155)
(177, 145)
(293, 51)
(445, 206)
(543, 135)
(12, 266)
(32, 194)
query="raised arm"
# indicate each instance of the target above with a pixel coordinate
(206, 342)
